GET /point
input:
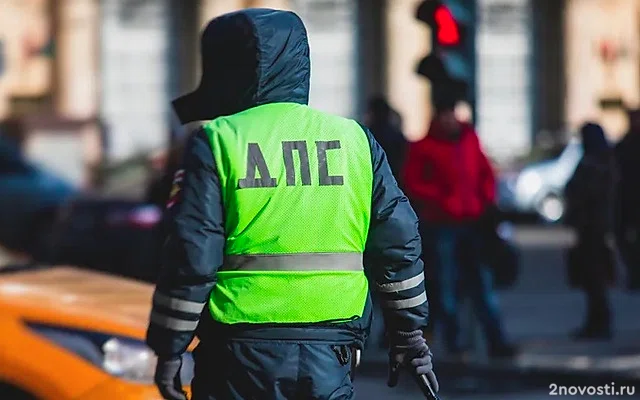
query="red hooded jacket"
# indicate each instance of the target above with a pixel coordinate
(449, 180)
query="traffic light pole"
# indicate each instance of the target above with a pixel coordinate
(471, 50)
(451, 65)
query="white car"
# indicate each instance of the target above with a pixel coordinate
(539, 187)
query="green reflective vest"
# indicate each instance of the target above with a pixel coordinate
(296, 187)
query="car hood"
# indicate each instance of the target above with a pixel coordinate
(555, 173)
(541, 167)
(75, 298)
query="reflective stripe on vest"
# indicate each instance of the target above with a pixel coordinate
(294, 262)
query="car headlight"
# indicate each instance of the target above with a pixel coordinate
(122, 357)
(129, 360)
(529, 182)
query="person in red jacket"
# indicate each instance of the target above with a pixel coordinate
(452, 186)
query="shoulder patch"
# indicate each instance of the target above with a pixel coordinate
(176, 187)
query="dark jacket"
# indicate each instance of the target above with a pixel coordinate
(628, 190)
(590, 191)
(589, 195)
(386, 125)
(449, 181)
(266, 60)
(392, 141)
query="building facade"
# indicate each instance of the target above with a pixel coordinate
(602, 63)
(26, 63)
(543, 66)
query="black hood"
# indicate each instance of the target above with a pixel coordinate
(249, 57)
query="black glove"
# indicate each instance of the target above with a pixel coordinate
(410, 350)
(167, 378)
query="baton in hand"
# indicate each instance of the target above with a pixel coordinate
(426, 388)
(422, 381)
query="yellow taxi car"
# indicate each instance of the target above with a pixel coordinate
(67, 333)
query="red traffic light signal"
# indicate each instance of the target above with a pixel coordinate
(450, 65)
(447, 30)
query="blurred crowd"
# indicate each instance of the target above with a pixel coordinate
(452, 186)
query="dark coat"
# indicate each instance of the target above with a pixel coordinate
(392, 141)
(627, 155)
(627, 213)
(254, 57)
(590, 203)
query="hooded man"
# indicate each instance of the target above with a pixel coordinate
(276, 214)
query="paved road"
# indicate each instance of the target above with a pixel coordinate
(539, 311)
(370, 389)
(374, 387)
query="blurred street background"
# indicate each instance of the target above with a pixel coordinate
(89, 145)
(539, 311)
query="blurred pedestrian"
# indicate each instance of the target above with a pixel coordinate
(589, 195)
(627, 226)
(452, 184)
(386, 126)
(160, 186)
(278, 214)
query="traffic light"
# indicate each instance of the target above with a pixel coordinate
(450, 66)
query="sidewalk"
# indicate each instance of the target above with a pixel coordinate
(547, 354)
(542, 331)
(539, 312)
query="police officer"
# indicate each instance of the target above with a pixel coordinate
(276, 214)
